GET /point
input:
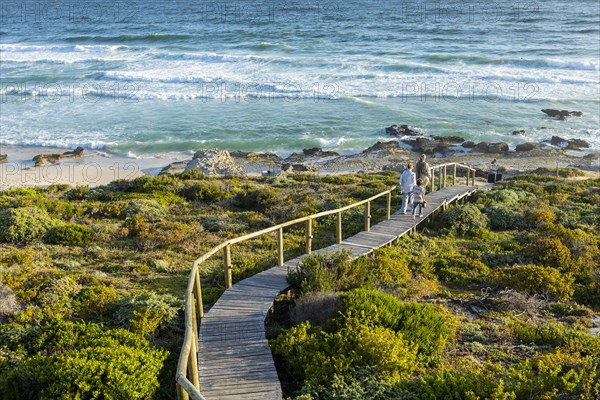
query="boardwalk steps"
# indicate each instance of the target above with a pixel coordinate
(234, 358)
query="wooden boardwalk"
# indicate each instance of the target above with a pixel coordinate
(235, 360)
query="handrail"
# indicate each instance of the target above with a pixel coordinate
(187, 366)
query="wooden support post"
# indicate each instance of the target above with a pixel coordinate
(339, 227)
(193, 363)
(468, 176)
(368, 216)
(280, 246)
(198, 287)
(445, 176)
(227, 265)
(194, 321)
(181, 393)
(473, 179)
(454, 175)
(309, 236)
(389, 205)
(432, 179)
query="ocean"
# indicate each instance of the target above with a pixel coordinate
(154, 78)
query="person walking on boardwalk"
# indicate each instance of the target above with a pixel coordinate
(407, 181)
(423, 170)
(419, 200)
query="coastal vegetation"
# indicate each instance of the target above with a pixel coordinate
(494, 299)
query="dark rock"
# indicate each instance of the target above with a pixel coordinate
(569, 144)
(40, 159)
(488, 147)
(468, 145)
(561, 114)
(318, 152)
(526, 146)
(78, 152)
(403, 130)
(3, 158)
(390, 146)
(295, 157)
(521, 132)
(174, 168)
(239, 154)
(449, 139)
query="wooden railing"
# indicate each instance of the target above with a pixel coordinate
(443, 174)
(187, 369)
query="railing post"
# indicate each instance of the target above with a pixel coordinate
(309, 236)
(389, 205)
(445, 172)
(181, 393)
(280, 246)
(368, 216)
(454, 175)
(193, 363)
(199, 292)
(339, 227)
(227, 265)
(468, 176)
(473, 179)
(433, 179)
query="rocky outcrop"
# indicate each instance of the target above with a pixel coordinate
(561, 114)
(496, 148)
(174, 168)
(41, 159)
(390, 147)
(469, 144)
(3, 158)
(402, 130)
(526, 146)
(449, 139)
(289, 168)
(214, 162)
(569, 144)
(318, 152)
(518, 133)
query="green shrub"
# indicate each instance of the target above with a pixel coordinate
(465, 219)
(420, 324)
(223, 223)
(24, 225)
(203, 191)
(150, 210)
(534, 279)
(550, 252)
(459, 269)
(70, 235)
(316, 356)
(323, 272)
(505, 217)
(146, 313)
(540, 217)
(588, 294)
(390, 266)
(254, 198)
(78, 193)
(543, 332)
(83, 362)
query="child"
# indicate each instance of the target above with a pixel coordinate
(407, 181)
(418, 198)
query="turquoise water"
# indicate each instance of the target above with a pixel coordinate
(159, 77)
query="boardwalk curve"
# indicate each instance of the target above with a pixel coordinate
(228, 355)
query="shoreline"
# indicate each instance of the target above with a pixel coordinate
(95, 168)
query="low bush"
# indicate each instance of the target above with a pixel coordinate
(81, 361)
(540, 217)
(146, 313)
(150, 210)
(203, 191)
(317, 308)
(550, 252)
(322, 273)
(505, 217)
(390, 266)
(315, 356)
(458, 269)
(24, 224)
(535, 279)
(428, 328)
(257, 198)
(465, 219)
(70, 235)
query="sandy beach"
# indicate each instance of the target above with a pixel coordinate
(95, 168)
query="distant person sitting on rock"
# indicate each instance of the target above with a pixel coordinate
(407, 181)
(419, 201)
(423, 170)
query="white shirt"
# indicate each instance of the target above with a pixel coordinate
(407, 181)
